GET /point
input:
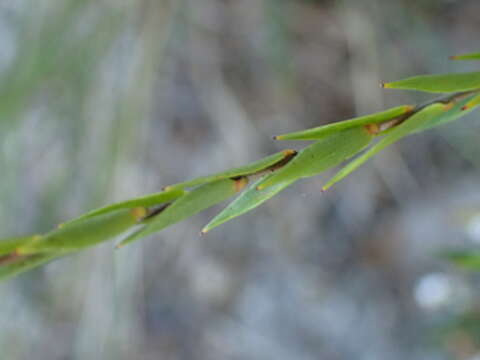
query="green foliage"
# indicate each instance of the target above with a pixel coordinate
(84, 233)
(322, 131)
(190, 204)
(438, 83)
(9, 245)
(18, 264)
(407, 127)
(457, 108)
(474, 101)
(334, 143)
(322, 155)
(248, 200)
(143, 201)
(249, 169)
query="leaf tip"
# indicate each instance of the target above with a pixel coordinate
(385, 85)
(454, 57)
(327, 186)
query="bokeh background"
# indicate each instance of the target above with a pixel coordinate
(105, 100)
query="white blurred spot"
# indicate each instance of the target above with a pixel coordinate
(432, 290)
(473, 228)
(210, 282)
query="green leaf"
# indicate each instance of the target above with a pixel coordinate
(473, 102)
(444, 83)
(472, 56)
(412, 124)
(143, 201)
(246, 201)
(249, 169)
(322, 131)
(85, 233)
(321, 155)
(188, 205)
(24, 263)
(9, 245)
(455, 112)
(466, 259)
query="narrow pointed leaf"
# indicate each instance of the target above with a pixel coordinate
(415, 122)
(246, 201)
(190, 204)
(321, 155)
(144, 201)
(472, 56)
(9, 245)
(249, 169)
(23, 264)
(322, 131)
(443, 83)
(85, 233)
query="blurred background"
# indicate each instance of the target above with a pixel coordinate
(105, 100)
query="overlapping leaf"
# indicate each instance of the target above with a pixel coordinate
(84, 233)
(190, 204)
(249, 169)
(454, 112)
(9, 245)
(246, 201)
(335, 143)
(24, 263)
(323, 131)
(415, 122)
(143, 201)
(321, 155)
(473, 102)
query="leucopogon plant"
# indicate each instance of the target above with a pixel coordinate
(254, 183)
